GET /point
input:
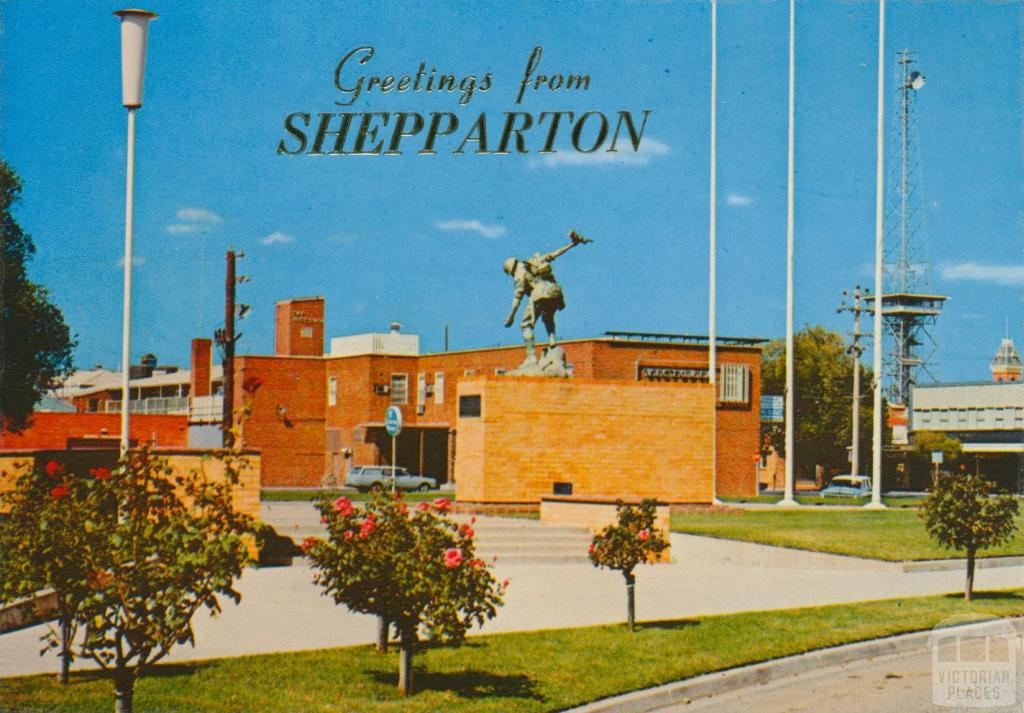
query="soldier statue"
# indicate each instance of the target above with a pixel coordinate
(535, 280)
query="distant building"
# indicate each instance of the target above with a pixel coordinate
(986, 417)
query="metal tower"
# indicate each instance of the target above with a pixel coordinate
(909, 310)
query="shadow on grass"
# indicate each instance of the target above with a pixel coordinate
(468, 684)
(979, 596)
(667, 624)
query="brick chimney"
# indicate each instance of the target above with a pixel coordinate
(199, 382)
(299, 327)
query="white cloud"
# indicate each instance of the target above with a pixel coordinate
(487, 231)
(1012, 275)
(278, 237)
(136, 261)
(199, 215)
(738, 199)
(623, 156)
(193, 220)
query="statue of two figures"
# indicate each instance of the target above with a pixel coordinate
(535, 281)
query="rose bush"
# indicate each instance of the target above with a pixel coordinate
(414, 568)
(632, 540)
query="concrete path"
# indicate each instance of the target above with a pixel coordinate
(282, 610)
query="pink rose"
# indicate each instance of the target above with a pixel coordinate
(443, 504)
(644, 535)
(343, 506)
(452, 558)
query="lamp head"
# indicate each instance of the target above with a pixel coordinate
(133, 54)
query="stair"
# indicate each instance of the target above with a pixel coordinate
(511, 540)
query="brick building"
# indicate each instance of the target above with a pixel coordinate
(315, 414)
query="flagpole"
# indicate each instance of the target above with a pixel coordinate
(790, 415)
(712, 250)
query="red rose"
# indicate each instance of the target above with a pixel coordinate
(343, 506)
(403, 509)
(467, 531)
(307, 544)
(472, 520)
(368, 527)
(443, 504)
(423, 507)
(348, 534)
(59, 491)
(591, 548)
(505, 584)
(53, 469)
(100, 473)
(452, 557)
(644, 535)
(476, 564)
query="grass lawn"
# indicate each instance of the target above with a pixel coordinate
(887, 534)
(536, 671)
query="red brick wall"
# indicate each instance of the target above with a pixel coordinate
(202, 350)
(291, 319)
(52, 430)
(292, 440)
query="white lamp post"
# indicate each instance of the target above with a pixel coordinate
(712, 254)
(133, 65)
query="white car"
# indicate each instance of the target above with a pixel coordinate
(378, 477)
(851, 486)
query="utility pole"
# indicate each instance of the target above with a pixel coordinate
(856, 349)
(226, 339)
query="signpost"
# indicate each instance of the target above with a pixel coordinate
(393, 425)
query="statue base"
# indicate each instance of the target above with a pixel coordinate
(551, 363)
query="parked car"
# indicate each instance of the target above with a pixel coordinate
(850, 486)
(378, 477)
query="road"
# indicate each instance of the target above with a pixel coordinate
(885, 685)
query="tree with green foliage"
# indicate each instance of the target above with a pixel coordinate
(414, 567)
(35, 345)
(822, 399)
(964, 513)
(632, 540)
(40, 543)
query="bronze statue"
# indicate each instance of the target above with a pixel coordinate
(535, 280)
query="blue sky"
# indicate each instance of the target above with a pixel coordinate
(421, 239)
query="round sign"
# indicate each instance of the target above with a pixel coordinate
(393, 421)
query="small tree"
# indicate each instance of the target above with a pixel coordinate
(963, 514)
(413, 567)
(40, 545)
(631, 541)
(157, 547)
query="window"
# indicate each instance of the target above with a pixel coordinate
(400, 389)
(306, 332)
(735, 387)
(332, 391)
(439, 387)
(469, 406)
(421, 389)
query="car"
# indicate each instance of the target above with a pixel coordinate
(378, 478)
(851, 486)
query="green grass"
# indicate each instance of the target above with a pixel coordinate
(530, 671)
(287, 496)
(887, 535)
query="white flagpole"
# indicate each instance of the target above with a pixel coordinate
(712, 321)
(876, 452)
(790, 381)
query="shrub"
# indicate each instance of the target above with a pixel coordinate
(632, 540)
(414, 567)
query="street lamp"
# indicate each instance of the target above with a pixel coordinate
(133, 64)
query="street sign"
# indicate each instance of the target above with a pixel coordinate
(937, 457)
(393, 421)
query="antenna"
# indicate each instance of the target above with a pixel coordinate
(909, 310)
